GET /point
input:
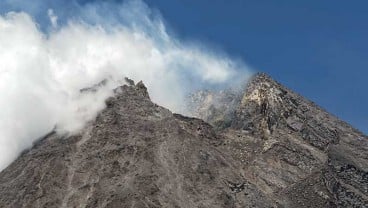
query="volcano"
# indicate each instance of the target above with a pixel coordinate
(264, 147)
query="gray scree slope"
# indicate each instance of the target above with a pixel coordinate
(267, 147)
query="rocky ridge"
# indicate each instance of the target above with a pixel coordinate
(267, 147)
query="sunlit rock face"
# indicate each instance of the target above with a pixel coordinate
(263, 146)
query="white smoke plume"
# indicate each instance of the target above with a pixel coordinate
(43, 66)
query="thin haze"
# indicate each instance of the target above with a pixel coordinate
(47, 55)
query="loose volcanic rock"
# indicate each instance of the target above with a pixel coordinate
(265, 147)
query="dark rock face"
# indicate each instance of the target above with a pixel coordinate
(267, 148)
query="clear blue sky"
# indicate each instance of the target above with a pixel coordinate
(317, 48)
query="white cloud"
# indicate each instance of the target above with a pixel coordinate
(53, 18)
(41, 73)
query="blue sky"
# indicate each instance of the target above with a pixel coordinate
(317, 48)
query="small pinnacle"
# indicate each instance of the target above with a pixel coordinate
(130, 82)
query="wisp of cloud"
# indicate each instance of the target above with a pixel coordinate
(49, 52)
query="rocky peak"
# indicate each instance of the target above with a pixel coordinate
(287, 142)
(265, 147)
(256, 108)
(265, 106)
(261, 107)
(268, 106)
(262, 90)
(138, 89)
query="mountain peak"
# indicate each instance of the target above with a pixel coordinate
(262, 87)
(232, 108)
(265, 147)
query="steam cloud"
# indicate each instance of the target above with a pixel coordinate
(49, 52)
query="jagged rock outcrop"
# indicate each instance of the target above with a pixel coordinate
(293, 150)
(268, 147)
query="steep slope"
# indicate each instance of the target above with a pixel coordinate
(136, 154)
(268, 147)
(290, 148)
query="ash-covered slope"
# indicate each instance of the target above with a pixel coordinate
(266, 148)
